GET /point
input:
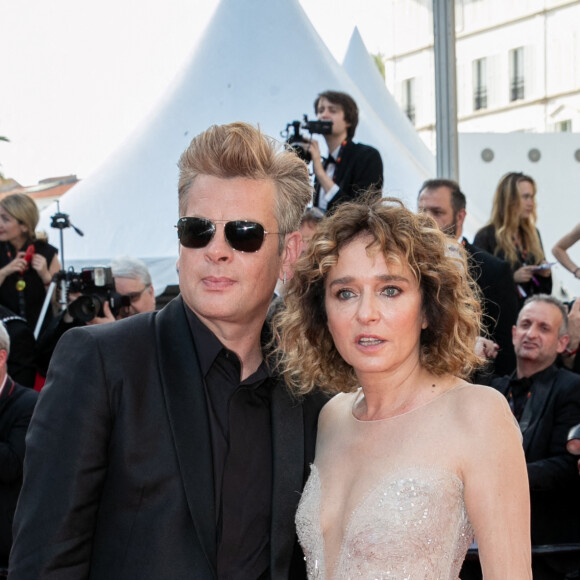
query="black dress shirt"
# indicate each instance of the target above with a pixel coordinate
(239, 414)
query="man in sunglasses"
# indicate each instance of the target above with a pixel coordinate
(165, 446)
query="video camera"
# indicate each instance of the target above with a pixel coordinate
(296, 139)
(97, 286)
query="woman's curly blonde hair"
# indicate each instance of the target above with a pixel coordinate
(305, 350)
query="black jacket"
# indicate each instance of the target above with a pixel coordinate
(360, 169)
(16, 407)
(554, 407)
(485, 239)
(500, 302)
(118, 474)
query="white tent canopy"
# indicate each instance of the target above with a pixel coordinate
(259, 61)
(361, 68)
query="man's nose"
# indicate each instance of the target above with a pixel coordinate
(218, 248)
(532, 330)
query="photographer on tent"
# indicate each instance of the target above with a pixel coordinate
(350, 168)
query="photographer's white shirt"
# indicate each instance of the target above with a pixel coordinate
(326, 196)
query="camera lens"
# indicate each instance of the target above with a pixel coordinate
(85, 308)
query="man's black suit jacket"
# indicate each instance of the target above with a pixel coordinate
(16, 407)
(118, 474)
(360, 169)
(553, 473)
(500, 302)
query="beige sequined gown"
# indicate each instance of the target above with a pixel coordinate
(383, 500)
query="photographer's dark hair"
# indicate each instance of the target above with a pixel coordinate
(348, 105)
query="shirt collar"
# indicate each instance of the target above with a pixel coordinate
(540, 375)
(3, 384)
(208, 345)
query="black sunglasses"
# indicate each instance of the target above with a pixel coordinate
(243, 236)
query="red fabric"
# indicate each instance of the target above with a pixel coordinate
(39, 382)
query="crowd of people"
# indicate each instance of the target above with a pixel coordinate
(345, 387)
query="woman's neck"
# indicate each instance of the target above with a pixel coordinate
(399, 392)
(18, 242)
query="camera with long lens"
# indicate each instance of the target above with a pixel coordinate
(97, 286)
(296, 140)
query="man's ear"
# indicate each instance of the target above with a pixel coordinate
(292, 251)
(460, 218)
(3, 358)
(563, 343)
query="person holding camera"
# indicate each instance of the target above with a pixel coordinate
(350, 168)
(27, 263)
(131, 291)
(133, 283)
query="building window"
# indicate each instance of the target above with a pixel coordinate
(564, 126)
(409, 99)
(479, 84)
(517, 74)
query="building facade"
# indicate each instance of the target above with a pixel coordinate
(518, 65)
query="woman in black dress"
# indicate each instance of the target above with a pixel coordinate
(511, 235)
(27, 263)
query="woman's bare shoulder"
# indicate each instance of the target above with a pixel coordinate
(338, 405)
(481, 408)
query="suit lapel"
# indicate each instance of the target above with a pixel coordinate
(344, 154)
(288, 478)
(186, 407)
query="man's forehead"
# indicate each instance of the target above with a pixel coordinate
(543, 312)
(438, 197)
(325, 102)
(225, 191)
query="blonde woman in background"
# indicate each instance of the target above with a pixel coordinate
(511, 235)
(27, 261)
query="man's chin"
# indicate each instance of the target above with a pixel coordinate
(529, 352)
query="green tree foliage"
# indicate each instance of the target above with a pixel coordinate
(379, 59)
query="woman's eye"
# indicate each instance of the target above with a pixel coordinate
(391, 291)
(344, 294)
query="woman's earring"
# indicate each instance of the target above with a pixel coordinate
(284, 279)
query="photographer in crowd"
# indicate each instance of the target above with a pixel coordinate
(133, 294)
(350, 168)
(133, 283)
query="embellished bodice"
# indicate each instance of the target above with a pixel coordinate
(397, 513)
(413, 526)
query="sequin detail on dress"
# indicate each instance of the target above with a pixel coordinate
(412, 526)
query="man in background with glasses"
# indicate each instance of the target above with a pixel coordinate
(133, 283)
(165, 446)
(134, 286)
